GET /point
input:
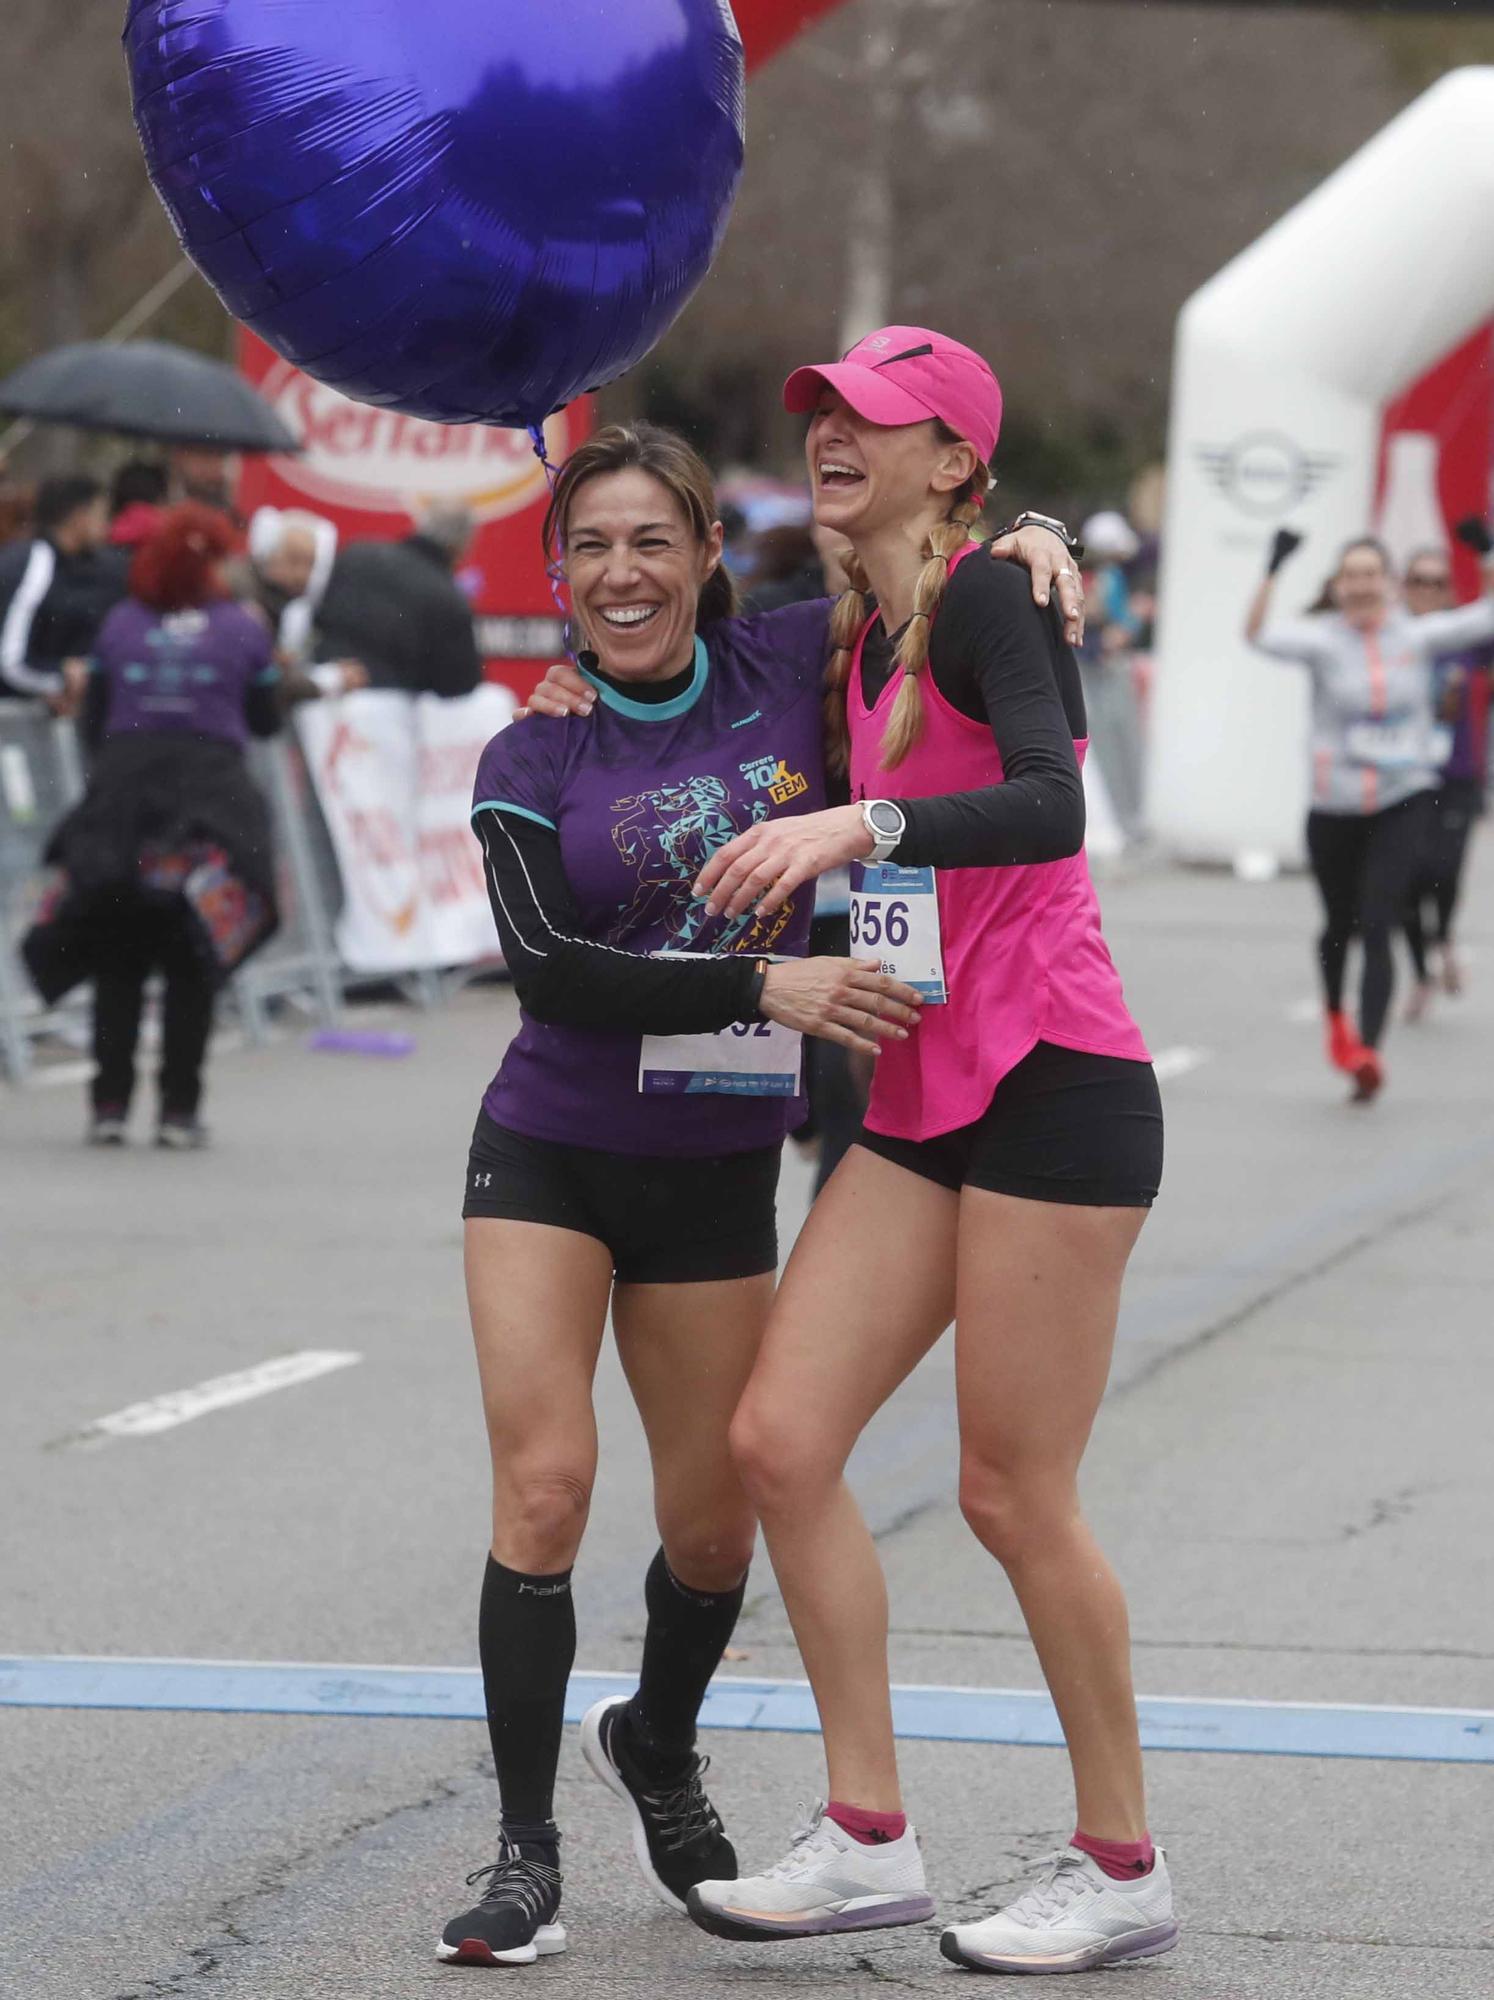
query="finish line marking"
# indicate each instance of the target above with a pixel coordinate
(221, 1392)
(943, 1714)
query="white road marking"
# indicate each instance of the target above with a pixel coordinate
(1172, 1063)
(1305, 1013)
(164, 1413)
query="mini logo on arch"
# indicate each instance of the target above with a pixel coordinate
(1265, 473)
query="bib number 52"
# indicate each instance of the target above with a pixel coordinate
(875, 923)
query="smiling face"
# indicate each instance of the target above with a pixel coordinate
(636, 570)
(1362, 586)
(866, 477)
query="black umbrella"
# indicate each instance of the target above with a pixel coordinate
(148, 389)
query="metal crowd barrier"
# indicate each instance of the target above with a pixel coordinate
(41, 776)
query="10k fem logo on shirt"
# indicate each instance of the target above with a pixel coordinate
(773, 776)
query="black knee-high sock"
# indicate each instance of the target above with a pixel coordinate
(688, 1631)
(526, 1637)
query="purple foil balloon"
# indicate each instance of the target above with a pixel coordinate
(467, 210)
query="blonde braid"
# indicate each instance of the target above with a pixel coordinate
(846, 620)
(905, 724)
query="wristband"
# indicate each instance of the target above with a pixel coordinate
(755, 995)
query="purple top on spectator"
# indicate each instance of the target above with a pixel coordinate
(182, 672)
(640, 796)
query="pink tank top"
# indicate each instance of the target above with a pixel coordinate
(1024, 959)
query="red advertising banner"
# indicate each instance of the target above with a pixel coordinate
(370, 472)
(765, 25)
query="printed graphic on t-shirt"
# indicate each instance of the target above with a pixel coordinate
(666, 836)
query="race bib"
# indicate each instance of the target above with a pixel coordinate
(748, 1059)
(895, 913)
(1392, 745)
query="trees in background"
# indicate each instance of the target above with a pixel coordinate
(1050, 181)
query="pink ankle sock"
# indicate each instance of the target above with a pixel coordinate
(872, 1829)
(1122, 1860)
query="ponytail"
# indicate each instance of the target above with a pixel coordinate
(852, 609)
(905, 724)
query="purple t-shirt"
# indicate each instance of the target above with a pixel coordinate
(181, 672)
(641, 795)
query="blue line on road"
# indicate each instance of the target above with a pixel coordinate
(948, 1714)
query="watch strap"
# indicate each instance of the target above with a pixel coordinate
(1029, 519)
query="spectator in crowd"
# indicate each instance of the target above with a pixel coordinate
(137, 499)
(15, 511)
(281, 578)
(397, 608)
(54, 592)
(205, 473)
(785, 568)
(166, 863)
(1106, 668)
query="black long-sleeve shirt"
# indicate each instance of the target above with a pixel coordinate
(998, 658)
(565, 977)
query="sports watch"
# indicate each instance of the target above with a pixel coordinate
(886, 823)
(1030, 520)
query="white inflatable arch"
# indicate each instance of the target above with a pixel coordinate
(1284, 364)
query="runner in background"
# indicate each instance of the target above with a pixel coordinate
(1011, 1150)
(1463, 684)
(1374, 769)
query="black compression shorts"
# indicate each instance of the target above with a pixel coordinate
(1062, 1126)
(665, 1221)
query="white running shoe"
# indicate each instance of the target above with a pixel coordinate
(826, 1882)
(1074, 1917)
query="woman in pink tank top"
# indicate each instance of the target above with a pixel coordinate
(1011, 1150)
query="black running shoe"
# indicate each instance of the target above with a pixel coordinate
(516, 1920)
(678, 1839)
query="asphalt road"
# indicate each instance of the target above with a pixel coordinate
(1292, 1474)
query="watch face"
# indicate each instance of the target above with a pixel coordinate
(887, 820)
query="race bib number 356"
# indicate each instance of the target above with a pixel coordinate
(895, 913)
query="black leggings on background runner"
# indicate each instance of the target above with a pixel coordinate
(1439, 877)
(1365, 865)
(138, 936)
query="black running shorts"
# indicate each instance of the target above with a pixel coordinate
(665, 1221)
(1062, 1126)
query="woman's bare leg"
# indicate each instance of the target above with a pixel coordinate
(1039, 1294)
(687, 1351)
(868, 1290)
(538, 1298)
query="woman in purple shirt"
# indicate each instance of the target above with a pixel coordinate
(626, 1154)
(166, 862)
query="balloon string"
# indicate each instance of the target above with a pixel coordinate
(553, 570)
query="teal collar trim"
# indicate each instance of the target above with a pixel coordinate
(658, 711)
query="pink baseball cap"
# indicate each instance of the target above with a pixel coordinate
(905, 375)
